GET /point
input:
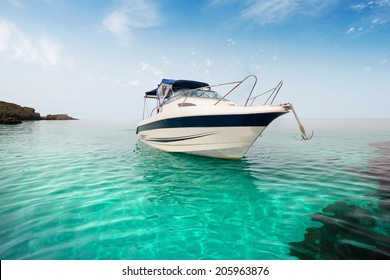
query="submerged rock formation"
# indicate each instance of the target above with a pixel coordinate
(11, 113)
(350, 231)
(347, 233)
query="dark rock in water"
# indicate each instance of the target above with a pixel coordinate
(379, 170)
(11, 113)
(347, 234)
(62, 117)
(349, 231)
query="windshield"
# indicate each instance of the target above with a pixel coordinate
(202, 93)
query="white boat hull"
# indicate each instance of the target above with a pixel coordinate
(219, 142)
(228, 133)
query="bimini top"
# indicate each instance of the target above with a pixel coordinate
(174, 85)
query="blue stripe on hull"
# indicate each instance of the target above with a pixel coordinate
(261, 119)
(182, 138)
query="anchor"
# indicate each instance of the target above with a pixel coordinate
(301, 128)
(303, 134)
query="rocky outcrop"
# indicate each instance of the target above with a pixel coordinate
(10, 120)
(11, 113)
(58, 117)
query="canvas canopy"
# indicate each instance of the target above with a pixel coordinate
(168, 85)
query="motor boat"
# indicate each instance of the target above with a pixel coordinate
(192, 117)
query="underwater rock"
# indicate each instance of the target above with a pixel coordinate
(347, 234)
(379, 170)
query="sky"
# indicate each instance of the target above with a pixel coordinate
(95, 59)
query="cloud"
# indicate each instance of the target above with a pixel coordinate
(165, 61)
(377, 62)
(372, 14)
(14, 44)
(379, 21)
(350, 31)
(270, 11)
(145, 67)
(359, 6)
(356, 31)
(116, 23)
(134, 82)
(275, 11)
(230, 41)
(131, 14)
(12, 41)
(384, 60)
(51, 53)
(370, 5)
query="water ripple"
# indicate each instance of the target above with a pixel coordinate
(89, 190)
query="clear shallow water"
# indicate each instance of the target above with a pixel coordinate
(89, 190)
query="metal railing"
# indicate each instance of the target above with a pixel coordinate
(236, 86)
(249, 101)
(274, 92)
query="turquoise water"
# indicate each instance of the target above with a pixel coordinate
(89, 190)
